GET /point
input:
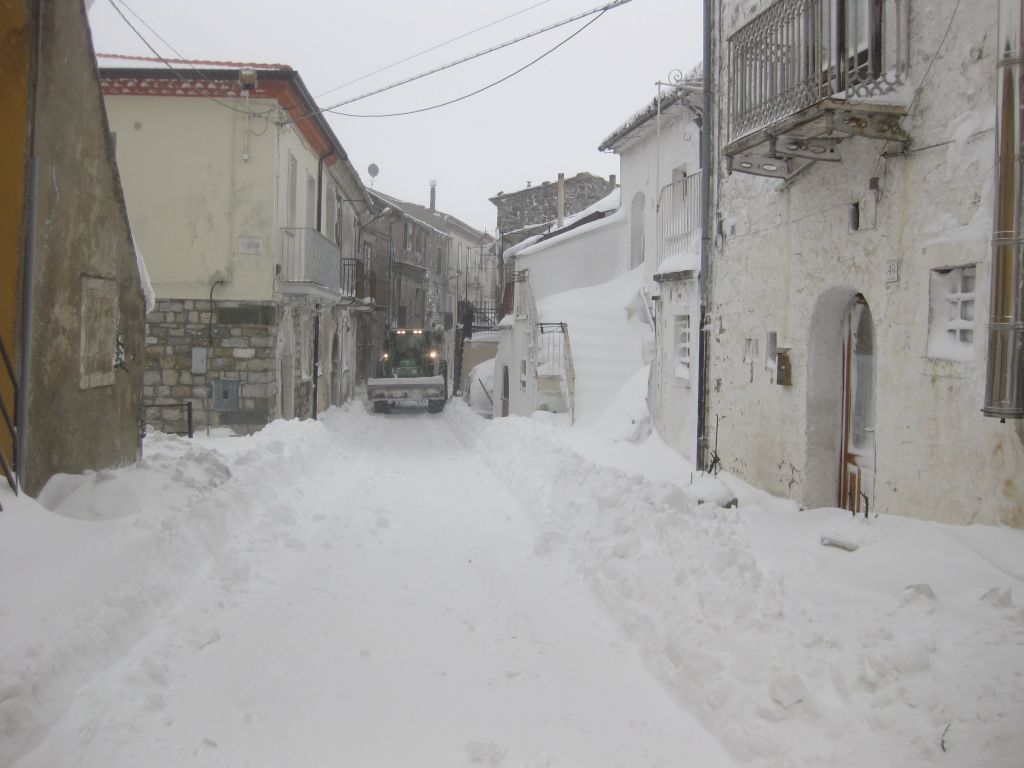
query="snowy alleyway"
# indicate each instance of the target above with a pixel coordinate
(383, 601)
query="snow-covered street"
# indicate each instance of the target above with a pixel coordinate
(445, 590)
(380, 601)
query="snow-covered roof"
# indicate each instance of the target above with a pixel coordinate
(680, 262)
(674, 101)
(152, 62)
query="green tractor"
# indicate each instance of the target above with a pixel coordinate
(411, 370)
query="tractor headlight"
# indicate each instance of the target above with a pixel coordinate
(385, 356)
(433, 354)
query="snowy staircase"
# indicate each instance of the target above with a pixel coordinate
(606, 342)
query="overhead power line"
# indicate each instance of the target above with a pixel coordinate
(478, 90)
(599, 10)
(181, 58)
(434, 47)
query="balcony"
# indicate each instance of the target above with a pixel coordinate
(309, 257)
(806, 74)
(679, 219)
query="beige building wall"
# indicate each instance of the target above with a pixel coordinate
(201, 212)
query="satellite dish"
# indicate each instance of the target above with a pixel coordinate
(373, 170)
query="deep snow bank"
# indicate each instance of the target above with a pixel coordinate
(82, 583)
(861, 662)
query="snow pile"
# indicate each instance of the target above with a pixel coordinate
(481, 388)
(607, 339)
(85, 581)
(792, 653)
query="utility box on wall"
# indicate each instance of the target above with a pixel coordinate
(225, 395)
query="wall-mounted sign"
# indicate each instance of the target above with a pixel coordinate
(250, 246)
(892, 271)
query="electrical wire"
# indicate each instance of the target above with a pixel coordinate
(478, 90)
(434, 48)
(919, 89)
(600, 10)
(114, 5)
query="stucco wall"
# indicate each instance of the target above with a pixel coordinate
(80, 416)
(672, 398)
(512, 351)
(788, 262)
(191, 195)
(590, 256)
(646, 170)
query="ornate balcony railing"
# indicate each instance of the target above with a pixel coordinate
(679, 218)
(309, 257)
(800, 52)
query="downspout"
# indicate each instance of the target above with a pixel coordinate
(29, 258)
(1004, 382)
(316, 357)
(705, 244)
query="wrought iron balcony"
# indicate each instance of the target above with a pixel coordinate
(309, 257)
(805, 74)
(679, 218)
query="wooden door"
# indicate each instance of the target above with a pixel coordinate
(857, 463)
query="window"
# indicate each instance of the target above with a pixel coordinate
(310, 201)
(293, 182)
(854, 28)
(951, 313)
(682, 347)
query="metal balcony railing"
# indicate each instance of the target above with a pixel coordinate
(679, 218)
(309, 257)
(800, 52)
(554, 359)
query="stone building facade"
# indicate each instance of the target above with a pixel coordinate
(254, 239)
(846, 335)
(535, 208)
(239, 343)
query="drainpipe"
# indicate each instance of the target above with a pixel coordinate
(705, 244)
(1004, 382)
(316, 357)
(27, 303)
(29, 258)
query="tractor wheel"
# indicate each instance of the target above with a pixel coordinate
(435, 406)
(381, 406)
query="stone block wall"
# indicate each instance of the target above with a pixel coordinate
(243, 349)
(539, 205)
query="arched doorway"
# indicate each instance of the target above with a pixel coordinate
(840, 461)
(636, 230)
(857, 465)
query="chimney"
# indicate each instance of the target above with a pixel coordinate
(561, 199)
(613, 180)
(433, 194)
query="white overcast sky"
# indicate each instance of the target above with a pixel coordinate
(547, 119)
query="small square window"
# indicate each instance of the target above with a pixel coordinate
(682, 347)
(951, 313)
